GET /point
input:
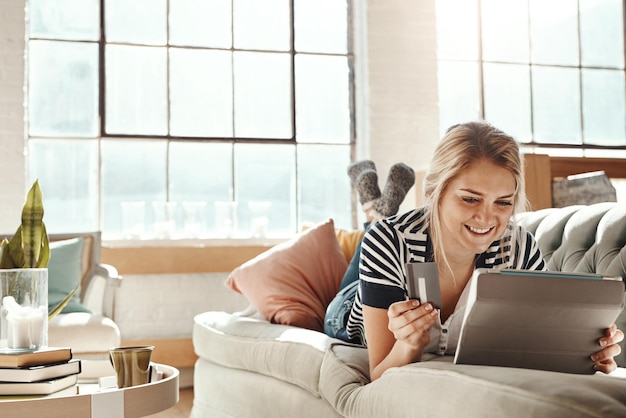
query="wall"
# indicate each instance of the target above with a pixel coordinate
(400, 95)
(12, 162)
(396, 93)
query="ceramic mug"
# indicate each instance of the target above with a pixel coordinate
(131, 364)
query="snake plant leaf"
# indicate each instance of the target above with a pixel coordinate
(12, 254)
(33, 232)
(59, 307)
(5, 257)
(29, 246)
(44, 255)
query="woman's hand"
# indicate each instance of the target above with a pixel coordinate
(603, 359)
(398, 335)
(410, 322)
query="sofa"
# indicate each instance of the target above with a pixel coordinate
(262, 362)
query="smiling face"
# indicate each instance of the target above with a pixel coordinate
(475, 208)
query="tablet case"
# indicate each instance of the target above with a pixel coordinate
(537, 320)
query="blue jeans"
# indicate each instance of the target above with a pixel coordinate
(338, 310)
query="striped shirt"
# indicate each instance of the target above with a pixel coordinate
(391, 243)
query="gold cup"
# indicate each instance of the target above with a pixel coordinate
(131, 364)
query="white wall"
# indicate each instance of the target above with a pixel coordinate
(397, 116)
(12, 142)
(400, 98)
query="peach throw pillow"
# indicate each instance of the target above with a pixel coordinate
(293, 282)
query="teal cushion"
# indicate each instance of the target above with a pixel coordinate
(64, 273)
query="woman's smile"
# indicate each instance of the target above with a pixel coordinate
(480, 231)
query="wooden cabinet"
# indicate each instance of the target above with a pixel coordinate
(540, 169)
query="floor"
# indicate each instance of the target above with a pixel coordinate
(182, 409)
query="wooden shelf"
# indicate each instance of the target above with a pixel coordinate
(541, 169)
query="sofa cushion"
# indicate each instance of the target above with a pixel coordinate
(344, 370)
(292, 354)
(349, 241)
(220, 392)
(293, 282)
(482, 392)
(83, 332)
(65, 273)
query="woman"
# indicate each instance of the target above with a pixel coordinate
(473, 188)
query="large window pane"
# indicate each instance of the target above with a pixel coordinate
(201, 99)
(507, 98)
(191, 164)
(322, 93)
(554, 32)
(69, 185)
(602, 24)
(64, 19)
(136, 90)
(505, 30)
(136, 21)
(63, 89)
(266, 173)
(556, 105)
(324, 186)
(457, 29)
(194, 92)
(132, 171)
(603, 107)
(261, 24)
(262, 95)
(201, 23)
(309, 19)
(576, 93)
(459, 93)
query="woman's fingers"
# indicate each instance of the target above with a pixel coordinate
(605, 366)
(408, 320)
(398, 308)
(606, 353)
(611, 336)
(604, 359)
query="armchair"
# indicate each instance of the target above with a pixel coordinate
(87, 326)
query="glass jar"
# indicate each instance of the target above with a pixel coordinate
(23, 309)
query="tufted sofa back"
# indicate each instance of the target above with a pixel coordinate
(583, 238)
(590, 239)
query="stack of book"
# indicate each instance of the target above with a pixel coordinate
(38, 372)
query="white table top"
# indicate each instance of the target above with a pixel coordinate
(91, 401)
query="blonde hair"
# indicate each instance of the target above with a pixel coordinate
(461, 146)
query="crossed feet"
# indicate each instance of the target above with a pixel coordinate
(377, 204)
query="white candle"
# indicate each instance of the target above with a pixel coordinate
(24, 324)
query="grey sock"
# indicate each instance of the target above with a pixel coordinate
(366, 185)
(356, 168)
(364, 179)
(401, 178)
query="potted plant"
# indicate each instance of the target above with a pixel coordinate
(24, 280)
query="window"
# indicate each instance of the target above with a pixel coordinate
(149, 118)
(549, 72)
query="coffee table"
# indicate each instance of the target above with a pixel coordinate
(91, 401)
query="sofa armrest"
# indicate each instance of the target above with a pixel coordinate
(99, 292)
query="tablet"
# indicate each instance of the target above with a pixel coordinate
(537, 320)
